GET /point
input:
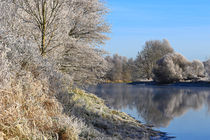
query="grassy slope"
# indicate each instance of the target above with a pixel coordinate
(107, 123)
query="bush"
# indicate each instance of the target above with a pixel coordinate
(174, 68)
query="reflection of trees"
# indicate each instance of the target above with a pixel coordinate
(157, 105)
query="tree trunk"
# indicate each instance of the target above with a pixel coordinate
(43, 44)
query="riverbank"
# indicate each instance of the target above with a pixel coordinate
(106, 123)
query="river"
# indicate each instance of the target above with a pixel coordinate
(183, 110)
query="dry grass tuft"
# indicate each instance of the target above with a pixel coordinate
(33, 115)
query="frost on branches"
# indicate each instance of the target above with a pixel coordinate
(85, 67)
(175, 68)
(51, 25)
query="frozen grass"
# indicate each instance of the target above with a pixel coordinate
(34, 115)
(95, 105)
(97, 116)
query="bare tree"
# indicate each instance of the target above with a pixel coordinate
(152, 51)
(43, 21)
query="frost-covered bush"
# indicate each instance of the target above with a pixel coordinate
(174, 67)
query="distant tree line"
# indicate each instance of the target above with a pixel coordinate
(157, 61)
(140, 68)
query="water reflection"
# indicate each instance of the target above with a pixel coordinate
(157, 105)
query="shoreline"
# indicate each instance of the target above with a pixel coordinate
(177, 84)
(109, 123)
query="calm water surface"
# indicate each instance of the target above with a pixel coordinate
(181, 111)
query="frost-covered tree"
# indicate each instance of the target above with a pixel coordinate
(87, 27)
(54, 24)
(115, 73)
(152, 51)
(175, 67)
(121, 68)
(196, 71)
(87, 21)
(129, 70)
(42, 21)
(51, 23)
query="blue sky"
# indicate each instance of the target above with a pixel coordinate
(185, 23)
